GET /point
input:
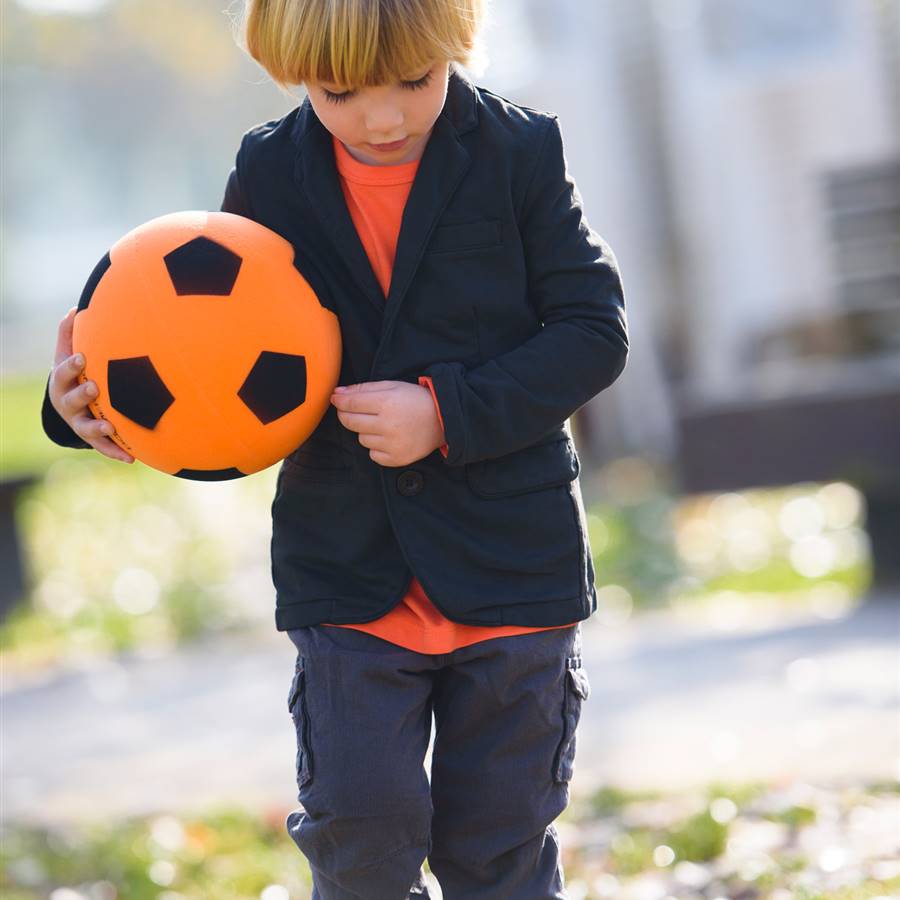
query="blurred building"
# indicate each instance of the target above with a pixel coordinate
(742, 158)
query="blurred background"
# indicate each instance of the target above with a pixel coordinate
(741, 478)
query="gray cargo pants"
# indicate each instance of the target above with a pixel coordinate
(506, 712)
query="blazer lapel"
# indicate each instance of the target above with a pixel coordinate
(441, 168)
(316, 169)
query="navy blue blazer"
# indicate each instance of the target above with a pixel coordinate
(503, 294)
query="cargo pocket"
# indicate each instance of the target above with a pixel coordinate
(577, 690)
(298, 711)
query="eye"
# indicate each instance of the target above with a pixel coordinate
(419, 83)
(336, 98)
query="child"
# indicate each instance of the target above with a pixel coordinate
(429, 541)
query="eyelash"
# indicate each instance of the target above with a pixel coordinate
(408, 85)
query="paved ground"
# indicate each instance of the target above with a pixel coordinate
(673, 703)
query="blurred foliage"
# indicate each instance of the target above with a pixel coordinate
(121, 555)
(24, 448)
(723, 841)
(713, 841)
(175, 35)
(700, 838)
(115, 115)
(228, 854)
(653, 548)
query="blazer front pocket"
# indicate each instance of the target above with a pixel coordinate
(318, 462)
(528, 522)
(462, 236)
(530, 469)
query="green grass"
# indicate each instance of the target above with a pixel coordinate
(24, 448)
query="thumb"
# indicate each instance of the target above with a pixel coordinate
(64, 336)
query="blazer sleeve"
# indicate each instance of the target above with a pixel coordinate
(56, 427)
(511, 401)
(234, 200)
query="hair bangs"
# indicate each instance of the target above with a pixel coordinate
(358, 43)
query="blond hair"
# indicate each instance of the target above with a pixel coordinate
(357, 43)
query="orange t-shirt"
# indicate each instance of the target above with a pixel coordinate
(376, 196)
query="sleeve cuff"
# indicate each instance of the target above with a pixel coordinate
(444, 378)
(425, 381)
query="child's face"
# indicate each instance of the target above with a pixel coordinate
(383, 114)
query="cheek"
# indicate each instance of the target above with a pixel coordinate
(436, 101)
(337, 120)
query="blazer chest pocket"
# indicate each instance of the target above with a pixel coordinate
(463, 236)
(531, 469)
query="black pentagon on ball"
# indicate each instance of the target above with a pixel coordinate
(93, 280)
(136, 390)
(210, 474)
(203, 266)
(275, 386)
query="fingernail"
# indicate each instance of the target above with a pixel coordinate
(79, 359)
(340, 388)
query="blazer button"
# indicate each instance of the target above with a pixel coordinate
(409, 482)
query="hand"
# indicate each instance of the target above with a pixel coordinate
(70, 399)
(396, 420)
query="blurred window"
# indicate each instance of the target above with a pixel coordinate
(759, 31)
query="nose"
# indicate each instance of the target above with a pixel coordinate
(384, 124)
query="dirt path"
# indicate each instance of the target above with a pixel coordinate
(673, 703)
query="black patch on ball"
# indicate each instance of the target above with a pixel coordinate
(136, 390)
(203, 266)
(92, 282)
(276, 385)
(210, 474)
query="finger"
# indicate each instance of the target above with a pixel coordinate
(76, 399)
(359, 401)
(64, 336)
(371, 386)
(357, 421)
(111, 449)
(96, 432)
(382, 458)
(64, 378)
(372, 441)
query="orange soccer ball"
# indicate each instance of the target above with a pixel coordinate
(213, 356)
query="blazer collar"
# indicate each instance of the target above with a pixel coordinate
(443, 163)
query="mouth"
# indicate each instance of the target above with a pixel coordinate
(394, 145)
